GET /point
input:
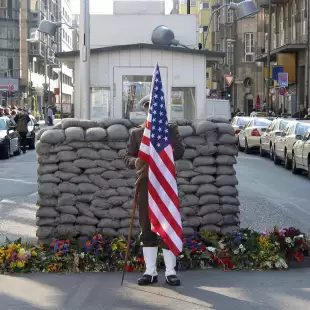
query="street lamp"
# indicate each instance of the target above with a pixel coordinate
(243, 9)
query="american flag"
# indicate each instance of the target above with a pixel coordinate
(156, 150)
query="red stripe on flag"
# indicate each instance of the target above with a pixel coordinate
(169, 164)
(143, 156)
(164, 210)
(157, 228)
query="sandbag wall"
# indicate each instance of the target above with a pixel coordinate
(84, 186)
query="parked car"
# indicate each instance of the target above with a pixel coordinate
(250, 134)
(238, 122)
(9, 138)
(301, 155)
(284, 143)
(33, 128)
(268, 138)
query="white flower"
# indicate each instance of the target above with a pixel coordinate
(211, 249)
(288, 240)
(236, 251)
(22, 251)
(299, 237)
(241, 247)
(268, 264)
(278, 265)
(283, 263)
(82, 255)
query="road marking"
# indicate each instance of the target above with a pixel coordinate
(18, 181)
(248, 157)
(33, 194)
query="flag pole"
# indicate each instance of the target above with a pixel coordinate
(130, 227)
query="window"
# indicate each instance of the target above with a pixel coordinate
(303, 18)
(217, 19)
(217, 47)
(193, 2)
(230, 54)
(183, 101)
(293, 24)
(207, 75)
(281, 27)
(249, 47)
(204, 5)
(230, 16)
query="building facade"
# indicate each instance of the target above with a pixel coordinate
(289, 51)
(22, 63)
(202, 9)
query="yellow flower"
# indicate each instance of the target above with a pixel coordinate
(21, 264)
(13, 265)
(34, 253)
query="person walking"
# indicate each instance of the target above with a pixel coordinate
(50, 116)
(22, 119)
(301, 113)
(149, 240)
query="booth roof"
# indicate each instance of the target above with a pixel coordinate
(206, 53)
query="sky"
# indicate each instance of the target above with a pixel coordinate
(104, 6)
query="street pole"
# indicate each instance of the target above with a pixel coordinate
(188, 3)
(45, 82)
(268, 57)
(84, 59)
(61, 107)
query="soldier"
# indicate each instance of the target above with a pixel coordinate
(149, 240)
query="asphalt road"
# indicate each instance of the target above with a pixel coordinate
(269, 196)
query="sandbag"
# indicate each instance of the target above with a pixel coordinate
(115, 183)
(185, 131)
(98, 145)
(183, 165)
(53, 136)
(212, 218)
(104, 164)
(211, 229)
(109, 223)
(68, 210)
(45, 232)
(217, 119)
(226, 180)
(189, 201)
(84, 209)
(99, 181)
(48, 178)
(40, 133)
(110, 232)
(43, 148)
(65, 176)
(100, 213)
(187, 174)
(204, 161)
(225, 128)
(67, 199)
(208, 149)
(227, 150)
(86, 220)
(84, 163)
(194, 221)
(125, 191)
(48, 189)
(69, 167)
(128, 204)
(229, 209)
(78, 144)
(121, 153)
(86, 188)
(188, 231)
(212, 137)
(118, 164)
(229, 229)
(68, 187)
(80, 179)
(88, 154)
(95, 134)
(61, 148)
(209, 199)
(46, 201)
(106, 193)
(96, 170)
(207, 189)
(57, 126)
(46, 169)
(228, 191)
(227, 139)
(229, 200)
(117, 145)
(181, 181)
(115, 121)
(193, 141)
(190, 153)
(126, 223)
(127, 173)
(48, 159)
(88, 197)
(188, 210)
(202, 179)
(206, 170)
(118, 213)
(86, 230)
(67, 218)
(230, 219)
(117, 200)
(74, 134)
(188, 189)
(210, 208)
(111, 175)
(108, 154)
(101, 203)
(67, 156)
(225, 160)
(202, 127)
(48, 221)
(225, 170)
(70, 122)
(130, 182)
(46, 212)
(66, 231)
(86, 124)
(117, 132)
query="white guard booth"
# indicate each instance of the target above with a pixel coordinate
(121, 75)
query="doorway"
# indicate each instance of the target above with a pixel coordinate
(249, 104)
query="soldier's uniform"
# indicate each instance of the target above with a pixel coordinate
(149, 240)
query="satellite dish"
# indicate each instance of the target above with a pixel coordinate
(162, 35)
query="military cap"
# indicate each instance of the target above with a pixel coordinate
(144, 102)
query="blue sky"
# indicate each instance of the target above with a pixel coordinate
(102, 6)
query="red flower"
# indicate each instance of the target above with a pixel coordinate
(194, 251)
(129, 268)
(67, 241)
(298, 256)
(203, 248)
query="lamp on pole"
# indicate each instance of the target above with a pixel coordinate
(243, 9)
(268, 57)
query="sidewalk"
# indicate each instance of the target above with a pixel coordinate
(43, 125)
(201, 290)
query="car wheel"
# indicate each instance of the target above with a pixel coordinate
(240, 148)
(295, 170)
(7, 151)
(261, 151)
(18, 151)
(247, 150)
(276, 159)
(287, 162)
(271, 153)
(32, 143)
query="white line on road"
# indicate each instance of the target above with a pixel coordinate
(249, 157)
(33, 194)
(18, 181)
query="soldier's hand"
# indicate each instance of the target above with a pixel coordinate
(139, 163)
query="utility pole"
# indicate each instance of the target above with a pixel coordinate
(84, 59)
(45, 82)
(268, 57)
(188, 3)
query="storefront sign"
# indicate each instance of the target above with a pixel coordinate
(283, 79)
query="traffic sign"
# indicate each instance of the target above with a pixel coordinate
(283, 79)
(282, 91)
(10, 87)
(229, 79)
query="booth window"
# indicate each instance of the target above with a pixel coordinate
(182, 105)
(100, 103)
(135, 87)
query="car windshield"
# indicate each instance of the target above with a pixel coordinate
(242, 121)
(302, 129)
(2, 124)
(261, 122)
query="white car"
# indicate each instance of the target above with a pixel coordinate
(268, 138)
(301, 155)
(238, 122)
(249, 136)
(284, 143)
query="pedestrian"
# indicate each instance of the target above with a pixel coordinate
(1, 112)
(50, 116)
(308, 115)
(148, 239)
(301, 113)
(253, 113)
(12, 116)
(7, 112)
(22, 119)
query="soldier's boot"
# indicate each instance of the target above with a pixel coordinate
(170, 273)
(150, 276)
